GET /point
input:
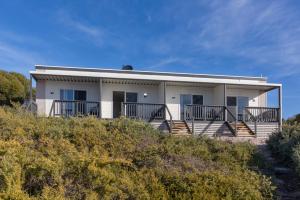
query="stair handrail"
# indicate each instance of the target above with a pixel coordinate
(171, 118)
(52, 109)
(255, 119)
(187, 110)
(235, 119)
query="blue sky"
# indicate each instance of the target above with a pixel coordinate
(236, 37)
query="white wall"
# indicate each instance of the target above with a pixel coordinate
(256, 97)
(107, 95)
(47, 91)
(161, 93)
(262, 99)
(52, 92)
(41, 97)
(173, 97)
(211, 96)
(218, 95)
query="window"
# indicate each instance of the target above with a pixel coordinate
(67, 107)
(242, 103)
(67, 95)
(231, 101)
(80, 95)
(70, 95)
(70, 108)
(197, 99)
(131, 97)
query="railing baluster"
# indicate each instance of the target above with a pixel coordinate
(262, 114)
(206, 113)
(67, 108)
(144, 111)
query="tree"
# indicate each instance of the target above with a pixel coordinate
(14, 87)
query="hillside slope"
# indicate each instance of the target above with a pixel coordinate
(55, 158)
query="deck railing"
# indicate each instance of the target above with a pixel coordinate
(216, 113)
(75, 108)
(147, 112)
(204, 113)
(144, 111)
(261, 114)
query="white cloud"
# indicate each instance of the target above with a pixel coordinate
(264, 32)
(13, 58)
(93, 33)
(171, 62)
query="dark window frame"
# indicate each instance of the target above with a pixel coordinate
(130, 100)
(199, 96)
(234, 103)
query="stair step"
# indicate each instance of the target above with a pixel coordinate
(180, 128)
(242, 130)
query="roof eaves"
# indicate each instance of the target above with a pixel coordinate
(45, 67)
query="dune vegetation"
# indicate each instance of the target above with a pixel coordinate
(88, 158)
(285, 145)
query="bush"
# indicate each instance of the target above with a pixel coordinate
(14, 87)
(87, 158)
(286, 145)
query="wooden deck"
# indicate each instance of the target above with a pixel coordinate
(216, 120)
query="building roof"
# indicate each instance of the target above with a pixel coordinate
(43, 71)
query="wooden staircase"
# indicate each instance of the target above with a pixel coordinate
(242, 129)
(180, 128)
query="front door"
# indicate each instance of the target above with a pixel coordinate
(185, 99)
(118, 98)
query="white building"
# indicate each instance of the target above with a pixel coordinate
(175, 102)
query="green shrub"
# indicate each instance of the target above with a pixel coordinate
(296, 157)
(87, 158)
(14, 87)
(286, 145)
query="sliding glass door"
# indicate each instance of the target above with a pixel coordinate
(188, 99)
(185, 99)
(80, 105)
(236, 106)
(69, 107)
(242, 103)
(66, 107)
(120, 97)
